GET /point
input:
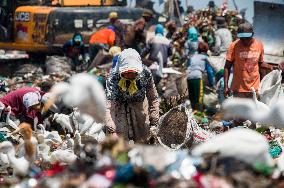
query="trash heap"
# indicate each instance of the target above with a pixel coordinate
(201, 157)
(241, 159)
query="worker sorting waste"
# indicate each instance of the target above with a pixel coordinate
(120, 94)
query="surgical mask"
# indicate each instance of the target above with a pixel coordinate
(245, 35)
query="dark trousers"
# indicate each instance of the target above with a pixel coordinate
(195, 93)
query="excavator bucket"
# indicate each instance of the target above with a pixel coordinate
(268, 25)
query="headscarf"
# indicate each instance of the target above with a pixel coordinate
(129, 61)
(192, 34)
(159, 29)
(31, 98)
(77, 38)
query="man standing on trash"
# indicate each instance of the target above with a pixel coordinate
(245, 55)
(132, 99)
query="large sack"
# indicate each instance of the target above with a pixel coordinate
(244, 144)
(270, 87)
(218, 62)
(176, 85)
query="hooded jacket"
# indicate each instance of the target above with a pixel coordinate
(191, 45)
(72, 50)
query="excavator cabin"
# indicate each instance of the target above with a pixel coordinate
(38, 26)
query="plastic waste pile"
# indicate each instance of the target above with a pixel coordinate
(239, 157)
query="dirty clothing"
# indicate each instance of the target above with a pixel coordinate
(136, 35)
(101, 39)
(245, 61)
(118, 102)
(74, 50)
(223, 39)
(159, 49)
(120, 33)
(247, 95)
(158, 44)
(16, 100)
(103, 36)
(199, 64)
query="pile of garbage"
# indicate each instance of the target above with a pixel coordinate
(237, 158)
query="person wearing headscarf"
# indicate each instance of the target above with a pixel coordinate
(75, 50)
(159, 49)
(191, 45)
(132, 99)
(25, 103)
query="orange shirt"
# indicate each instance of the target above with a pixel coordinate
(245, 61)
(103, 36)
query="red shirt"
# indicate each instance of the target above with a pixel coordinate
(15, 100)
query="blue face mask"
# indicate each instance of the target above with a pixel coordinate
(245, 35)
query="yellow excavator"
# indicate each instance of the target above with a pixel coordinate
(42, 27)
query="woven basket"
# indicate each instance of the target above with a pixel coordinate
(178, 129)
(174, 129)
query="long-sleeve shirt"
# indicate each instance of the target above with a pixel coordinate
(191, 48)
(146, 89)
(72, 51)
(103, 36)
(223, 39)
(197, 65)
(158, 44)
(14, 99)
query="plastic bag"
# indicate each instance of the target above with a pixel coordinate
(270, 87)
(217, 62)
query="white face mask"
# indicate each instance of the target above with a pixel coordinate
(245, 35)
